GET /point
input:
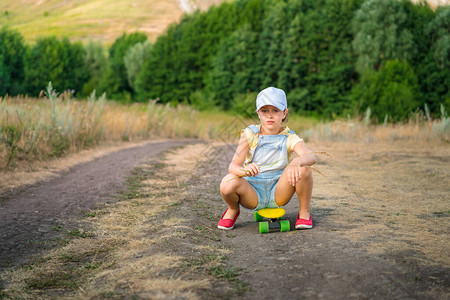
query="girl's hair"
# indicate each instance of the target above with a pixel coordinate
(285, 119)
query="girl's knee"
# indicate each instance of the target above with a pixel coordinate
(228, 184)
(306, 172)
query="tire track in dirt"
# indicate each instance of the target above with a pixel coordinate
(36, 217)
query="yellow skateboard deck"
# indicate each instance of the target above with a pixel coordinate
(271, 213)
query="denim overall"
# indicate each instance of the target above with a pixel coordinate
(272, 158)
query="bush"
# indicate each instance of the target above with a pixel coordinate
(233, 68)
(60, 62)
(114, 80)
(439, 28)
(381, 33)
(244, 105)
(134, 59)
(12, 70)
(392, 91)
(96, 64)
(202, 100)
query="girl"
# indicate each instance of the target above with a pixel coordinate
(260, 174)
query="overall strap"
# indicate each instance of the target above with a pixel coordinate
(254, 128)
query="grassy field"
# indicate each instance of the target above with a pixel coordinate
(103, 20)
(42, 129)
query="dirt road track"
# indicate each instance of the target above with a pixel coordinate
(35, 217)
(363, 246)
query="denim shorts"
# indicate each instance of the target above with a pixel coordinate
(265, 184)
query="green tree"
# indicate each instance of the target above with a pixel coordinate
(392, 91)
(435, 70)
(115, 81)
(318, 67)
(96, 63)
(270, 56)
(181, 59)
(12, 70)
(134, 59)
(418, 16)
(439, 29)
(293, 67)
(75, 72)
(335, 73)
(381, 33)
(60, 62)
(158, 70)
(233, 68)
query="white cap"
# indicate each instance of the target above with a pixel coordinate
(271, 96)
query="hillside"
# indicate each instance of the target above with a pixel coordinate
(103, 20)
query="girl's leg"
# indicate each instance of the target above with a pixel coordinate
(237, 191)
(284, 191)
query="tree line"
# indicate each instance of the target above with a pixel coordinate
(332, 57)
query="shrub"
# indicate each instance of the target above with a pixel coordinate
(12, 70)
(134, 59)
(244, 104)
(60, 62)
(96, 64)
(381, 33)
(114, 80)
(393, 91)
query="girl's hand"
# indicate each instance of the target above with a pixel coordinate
(251, 170)
(294, 173)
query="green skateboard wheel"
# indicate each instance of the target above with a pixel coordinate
(285, 226)
(258, 217)
(263, 227)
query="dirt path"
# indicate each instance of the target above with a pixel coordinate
(35, 217)
(380, 231)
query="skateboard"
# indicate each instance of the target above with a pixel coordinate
(274, 220)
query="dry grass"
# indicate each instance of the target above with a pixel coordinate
(416, 129)
(40, 129)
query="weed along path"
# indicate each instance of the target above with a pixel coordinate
(380, 215)
(38, 217)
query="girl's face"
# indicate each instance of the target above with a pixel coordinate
(271, 117)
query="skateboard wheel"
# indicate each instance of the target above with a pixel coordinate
(263, 227)
(258, 217)
(285, 226)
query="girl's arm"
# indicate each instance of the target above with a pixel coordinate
(305, 158)
(236, 167)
